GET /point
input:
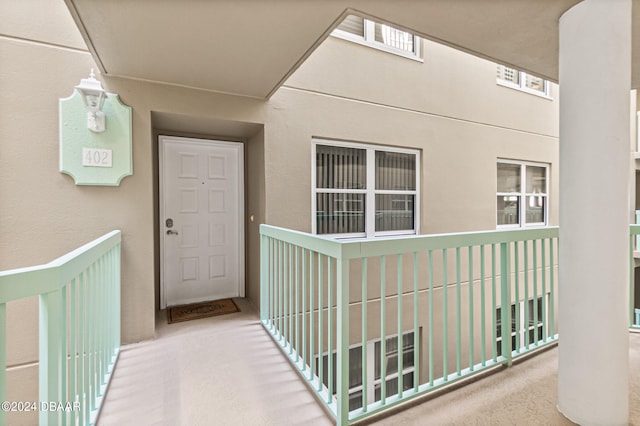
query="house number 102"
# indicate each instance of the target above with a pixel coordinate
(93, 157)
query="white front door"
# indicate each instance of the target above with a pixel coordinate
(201, 220)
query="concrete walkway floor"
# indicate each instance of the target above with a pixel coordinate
(226, 370)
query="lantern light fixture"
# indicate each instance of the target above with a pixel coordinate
(93, 97)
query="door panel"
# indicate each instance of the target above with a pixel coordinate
(201, 223)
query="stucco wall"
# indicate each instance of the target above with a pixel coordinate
(458, 157)
(449, 107)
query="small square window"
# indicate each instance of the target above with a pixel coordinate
(520, 80)
(379, 36)
(521, 194)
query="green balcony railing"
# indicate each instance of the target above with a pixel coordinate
(79, 329)
(370, 324)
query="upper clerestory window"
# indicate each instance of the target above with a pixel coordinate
(379, 36)
(511, 77)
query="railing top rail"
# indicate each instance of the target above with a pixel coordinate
(318, 243)
(347, 249)
(635, 229)
(417, 243)
(19, 283)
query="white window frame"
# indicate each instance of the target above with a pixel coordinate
(523, 194)
(372, 382)
(369, 192)
(369, 40)
(522, 86)
(524, 328)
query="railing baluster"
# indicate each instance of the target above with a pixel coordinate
(445, 318)
(277, 280)
(494, 324)
(291, 295)
(342, 314)
(505, 299)
(545, 323)
(552, 289)
(430, 324)
(303, 256)
(312, 328)
(330, 366)
(286, 338)
(365, 381)
(279, 290)
(84, 346)
(526, 293)
(416, 329)
(458, 316)
(517, 295)
(535, 291)
(272, 284)
(483, 328)
(265, 291)
(471, 327)
(320, 324)
(73, 351)
(117, 305)
(383, 324)
(399, 320)
(50, 353)
(91, 338)
(101, 308)
(297, 307)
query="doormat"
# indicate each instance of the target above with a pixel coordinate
(201, 310)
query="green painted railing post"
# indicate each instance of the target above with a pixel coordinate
(505, 301)
(342, 320)
(50, 344)
(264, 276)
(116, 306)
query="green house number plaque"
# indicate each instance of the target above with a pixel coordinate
(91, 158)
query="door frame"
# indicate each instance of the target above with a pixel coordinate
(239, 146)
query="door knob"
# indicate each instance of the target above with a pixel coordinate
(170, 232)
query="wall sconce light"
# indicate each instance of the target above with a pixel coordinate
(93, 96)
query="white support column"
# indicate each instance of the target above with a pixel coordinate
(595, 75)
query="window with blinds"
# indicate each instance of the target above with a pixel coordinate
(363, 191)
(378, 35)
(513, 78)
(522, 193)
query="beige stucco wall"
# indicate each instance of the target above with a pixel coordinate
(458, 158)
(449, 83)
(449, 107)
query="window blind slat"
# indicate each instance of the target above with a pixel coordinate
(353, 24)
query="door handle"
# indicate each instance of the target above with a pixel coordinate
(170, 232)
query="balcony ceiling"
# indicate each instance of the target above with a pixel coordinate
(250, 47)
